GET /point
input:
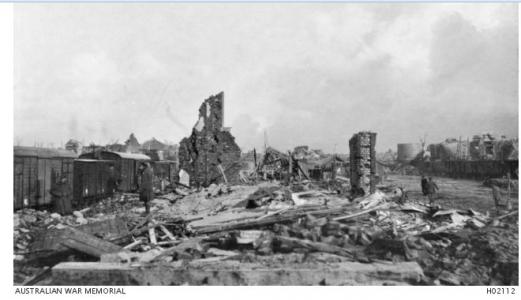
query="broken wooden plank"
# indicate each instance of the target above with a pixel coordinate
(506, 215)
(39, 276)
(88, 243)
(134, 232)
(133, 244)
(314, 246)
(222, 173)
(248, 236)
(152, 235)
(193, 243)
(350, 216)
(278, 212)
(168, 243)
(288, 216)
(219, 252)
(167, 232)
(50, 241)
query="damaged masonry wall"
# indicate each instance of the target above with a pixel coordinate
(362, 158)
(211, 147)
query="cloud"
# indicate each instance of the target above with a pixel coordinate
(306, 73)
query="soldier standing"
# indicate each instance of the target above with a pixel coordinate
(496, 195)
(62, 196)
(424, 185)
(146, 192)
(432, 188)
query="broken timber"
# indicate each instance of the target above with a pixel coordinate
(287, 217)
(314, 246)
(87, 243)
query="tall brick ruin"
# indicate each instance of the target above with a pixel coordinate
(211, 147)
(362, 158)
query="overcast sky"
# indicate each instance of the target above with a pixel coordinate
(308, 74)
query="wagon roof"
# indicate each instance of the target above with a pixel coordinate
(43, 152)
(136, 156)
(92, 160)
(165, 162)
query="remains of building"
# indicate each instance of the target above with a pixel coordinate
(363, 162)
(210, 154)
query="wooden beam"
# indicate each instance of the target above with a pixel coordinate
(133, 244)
(360, 212)
(152, 235)
(286, 217)
(314, 246)
(167, 232)
(222, 173)
(88, 243)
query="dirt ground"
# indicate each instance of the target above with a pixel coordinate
(453, 193)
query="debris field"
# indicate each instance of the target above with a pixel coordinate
(267, 233)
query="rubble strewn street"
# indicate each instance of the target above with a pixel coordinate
(218, 235)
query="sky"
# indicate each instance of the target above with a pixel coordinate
(306, 74)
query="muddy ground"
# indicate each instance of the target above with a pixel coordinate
(453, 193)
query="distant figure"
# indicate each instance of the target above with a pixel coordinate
(509, 191)
(62, 196)
(146, 192)
(402, 194)
(496, 195)
(424, 185)
(432, 188)
(112, 181)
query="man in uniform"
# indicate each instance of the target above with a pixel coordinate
(112, 183)
(146, 192)
(496, 195)
(424, 185)
(432, 188)
(62, 196)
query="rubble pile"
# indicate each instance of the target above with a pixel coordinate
(210, 154)
(304, 229)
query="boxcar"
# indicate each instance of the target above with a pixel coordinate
(36, 170)
(90, 182)
(125, 164)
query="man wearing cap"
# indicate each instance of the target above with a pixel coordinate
(62, 196)
(146, 193)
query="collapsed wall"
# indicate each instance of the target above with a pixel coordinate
(211, 149)
(362, 158)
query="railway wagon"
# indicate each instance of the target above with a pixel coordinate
(125, 164)
(91, 180)
(36, 171)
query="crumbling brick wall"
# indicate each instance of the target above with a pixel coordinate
(362, 158)
(210, 146)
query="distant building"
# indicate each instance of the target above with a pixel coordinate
(117, 147)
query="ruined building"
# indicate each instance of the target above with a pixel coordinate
(362, 159)
(211, 149)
